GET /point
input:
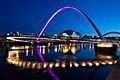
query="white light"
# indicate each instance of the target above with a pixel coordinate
(70, 64)
(97, 64)
(57, 64)
(16, 63)
(90, 64)
(51, 65)
(63, 64)
(28, 64)
(76, 64)
(83, 64)
(115, 61)
(24, 64)
(39, 66)
(20, 63)
(33, 65)
(45, 65)
(104, 45)
(109, 62)
(103, 63)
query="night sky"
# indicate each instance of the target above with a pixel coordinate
(29, 16)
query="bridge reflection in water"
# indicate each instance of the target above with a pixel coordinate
(61, 55)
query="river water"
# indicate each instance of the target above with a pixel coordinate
(28, 59)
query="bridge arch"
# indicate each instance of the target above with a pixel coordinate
(76, 9)
(44, 27)
(112, 32)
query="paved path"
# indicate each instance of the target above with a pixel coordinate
(115, 73)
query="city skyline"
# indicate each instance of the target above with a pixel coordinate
(30, 16)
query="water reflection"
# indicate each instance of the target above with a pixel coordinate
(62, 55)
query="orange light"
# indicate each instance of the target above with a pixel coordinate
(104, 45)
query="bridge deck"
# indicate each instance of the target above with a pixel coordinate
(115, 73)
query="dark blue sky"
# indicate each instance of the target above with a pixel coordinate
(29, 16)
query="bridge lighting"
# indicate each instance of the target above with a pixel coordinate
(96, 63)
(39, 66)
(103, 63)
(76, 64)
(33, 65)
(20, 63)
(16, 63)
(28, 64)
(45, 65)
(51, 65)
(24, 64)
(109, 62)
(70, 64)
(104, 45)
(89, 63)
(83, 64)
(108, 57)
(63, 64)
(57, 64)
(115, 61)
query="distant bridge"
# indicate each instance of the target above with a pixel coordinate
(113, 33)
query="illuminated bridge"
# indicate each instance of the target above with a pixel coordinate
(14, 57)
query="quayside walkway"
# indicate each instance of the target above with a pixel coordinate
(115, 73)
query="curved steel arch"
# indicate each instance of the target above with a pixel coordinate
(59, 10)
(71, 7)
(111, 33)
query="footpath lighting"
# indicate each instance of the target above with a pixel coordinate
(39, 66)
(20, 63)
(109, 62)
(28, 64)
(33, 65)
(89, 63)
(24, 64)
(83, 64)
(63, 64)
(76, 64)
(103, 63)
(70, 64)
(96, 63)
(45, 65)
(51, 64)
(115, 61)
(57, 64)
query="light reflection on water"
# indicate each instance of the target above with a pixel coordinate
(56, 52)
(61, 52)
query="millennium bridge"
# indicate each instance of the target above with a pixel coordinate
(102, 45)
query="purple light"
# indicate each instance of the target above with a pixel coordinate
(70, 7)
(59, 10)
(38, 47)
(49, 69)
(44, 27)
